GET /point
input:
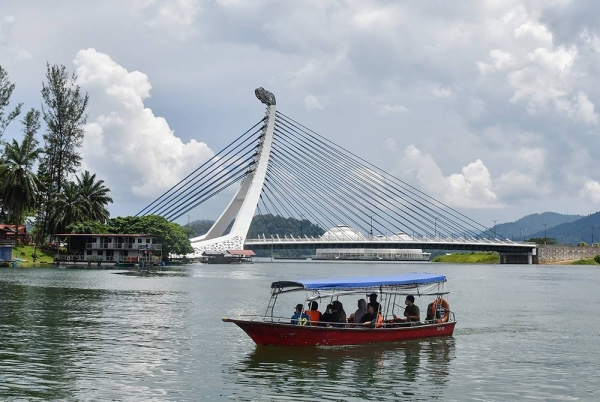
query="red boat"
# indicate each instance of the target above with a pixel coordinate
(272, 330)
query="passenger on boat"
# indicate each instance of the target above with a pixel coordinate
(327, 316)
(429, 316)
(371, 319)
(411, 311)
(339, 315)
(362, 310)
(314, 314)
(300, 317)
(374, 302)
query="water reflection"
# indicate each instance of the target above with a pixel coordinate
(418, 369)
(156, 272)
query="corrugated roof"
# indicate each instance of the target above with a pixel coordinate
(244, 253)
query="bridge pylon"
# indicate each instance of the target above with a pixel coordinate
(243, 205)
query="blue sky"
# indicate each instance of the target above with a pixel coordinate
(489, 106)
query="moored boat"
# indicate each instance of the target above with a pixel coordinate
(273, 330)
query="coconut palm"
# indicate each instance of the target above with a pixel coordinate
(96, 195)
(69, 207)
(19, 185)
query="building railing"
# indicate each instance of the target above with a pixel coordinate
(7, 243)
(122, 246)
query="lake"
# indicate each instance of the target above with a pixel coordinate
(523, 332)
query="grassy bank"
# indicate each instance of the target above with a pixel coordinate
(468, 258)
(26, 253)
(587, 261)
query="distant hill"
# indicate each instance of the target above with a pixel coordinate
(572, 233)
(531, 226)
(267, 224)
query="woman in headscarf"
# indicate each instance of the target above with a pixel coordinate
(362, 310)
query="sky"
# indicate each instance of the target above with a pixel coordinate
(488, 106)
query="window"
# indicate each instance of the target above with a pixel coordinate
(100, 252)
(139, 240)
(147, 240)
(89, 252)
(94, 240)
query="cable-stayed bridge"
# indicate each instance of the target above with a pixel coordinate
(285, 169)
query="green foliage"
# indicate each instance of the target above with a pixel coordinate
(64, 111)
(19, 184)
(6, 91)
(597, 259)
(83, 200)
(587, 261)
(471, 258)
(274, 224)
(582, 244)
(173, 237)
(200, 227)
(91, 227)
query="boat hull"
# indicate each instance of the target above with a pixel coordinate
(279, 334)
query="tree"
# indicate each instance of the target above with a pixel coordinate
(19, 186)
(95, 195)
(64, 111)
(91, 227)
(173, 237)
(69, 208)
(6, 90)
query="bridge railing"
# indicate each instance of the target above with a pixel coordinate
(311, 239)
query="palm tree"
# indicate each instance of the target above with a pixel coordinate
(69, 207)
(19, 185)
(83, 200)
(96, 195)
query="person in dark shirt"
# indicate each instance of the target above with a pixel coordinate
(327, 316)
(370, 318)
(373, 301)
(339, 315)
(411, 311)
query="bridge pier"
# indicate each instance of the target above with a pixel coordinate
(516, 258)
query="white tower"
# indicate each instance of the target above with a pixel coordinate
(243, 205)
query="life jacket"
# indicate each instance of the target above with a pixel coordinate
(379, 321)
(313, 315)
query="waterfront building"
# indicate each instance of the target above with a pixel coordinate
(110, 248)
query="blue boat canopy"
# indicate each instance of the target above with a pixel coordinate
(422, 278)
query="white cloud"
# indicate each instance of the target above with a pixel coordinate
(174, 18)
(439, 91)
(387, 110)
(591, 190)
(311, 102)
(10, 47)
(472, 188)
(125, 143)
(537, 31)
(500, 60)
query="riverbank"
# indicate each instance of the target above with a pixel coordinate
(44, 255)
(468, 258)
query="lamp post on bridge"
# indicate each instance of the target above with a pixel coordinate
(520, 235)
(371, 230)
(591, 227)
(545, 236)
(494, 220)
(435, 228)
(301, 224)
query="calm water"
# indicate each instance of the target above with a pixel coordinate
(523, 332)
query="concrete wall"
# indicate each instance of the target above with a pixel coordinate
(550, 254)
